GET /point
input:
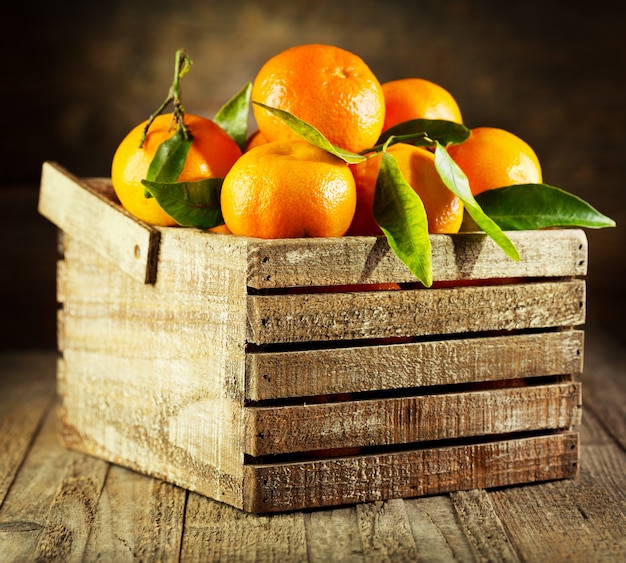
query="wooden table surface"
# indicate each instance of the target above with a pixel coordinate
(60, 505)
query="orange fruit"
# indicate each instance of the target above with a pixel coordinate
(212, 153)
(417, 98)
(495, 158)
(288, 189)
(365, 174)
(328, 87)
(444, 210)
(254, 140)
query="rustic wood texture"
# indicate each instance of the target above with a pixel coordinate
(87, 211)
(316, 317)
(138, 517)
(372, 422)
(313, 262)
(283, 374)
(275, 487)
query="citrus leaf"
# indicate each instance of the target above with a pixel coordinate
(169, 159)
(456, 181)
(425, 131)
(400, 214)
(539, 206)
(311, 134)
(190, 204)
(233, 115)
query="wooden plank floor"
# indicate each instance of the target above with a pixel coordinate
(64, 506)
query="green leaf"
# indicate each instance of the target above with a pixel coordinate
(456, 181)
(233, 115)
(169, 159)
(400, 213)
(311, 134)
(425, 131)
(539, 206)
(190, 204)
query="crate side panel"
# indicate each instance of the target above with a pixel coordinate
(293, 486)
(391, 314)
(366, 260)
(154, 373)
(84, 212)
(190, 312)
(275, 375)
(402, 420)
(156, 417)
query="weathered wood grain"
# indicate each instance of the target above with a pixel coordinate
(482, 526)
(82, 211)
(176, 428)
(275, 375)
(435, 527)
(276, 487)
(217, 532)
(137, 518)
(391, 314)
(285, 429)
(32, 490)
(386, 532)
(533, 515)
(313, 261)
(73, 510)
(24, 402)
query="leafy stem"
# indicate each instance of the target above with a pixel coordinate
(182, 64)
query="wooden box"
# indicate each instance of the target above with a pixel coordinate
(272, 375)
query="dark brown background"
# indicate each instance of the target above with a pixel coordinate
(78, 75)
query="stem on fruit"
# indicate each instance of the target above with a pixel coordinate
(182, 64)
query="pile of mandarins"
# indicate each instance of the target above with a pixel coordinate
(279, 185)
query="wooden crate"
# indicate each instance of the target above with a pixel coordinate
(189, 356)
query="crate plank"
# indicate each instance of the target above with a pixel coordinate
(390, 314)
(468, 256)
(286, 486)
(401, 420)
(173, 424)
(78, 209)
(294, 373)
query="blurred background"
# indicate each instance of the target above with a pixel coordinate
(79, 75)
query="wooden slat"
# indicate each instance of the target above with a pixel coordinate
(175, 424)
(375, 422)
(580, 510)
(275, 375)
(216, 532)
(23, 513)
(388, 314)
(482, 526)
(84, 212)
(139, 516)
(73, 511)
(27, 388)
(362, 260)
(293, 486)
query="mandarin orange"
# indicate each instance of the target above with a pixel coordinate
(288, 189)
(328, 87)
(494, 158)
(418, 98)
(212, 153)
(444, 210)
